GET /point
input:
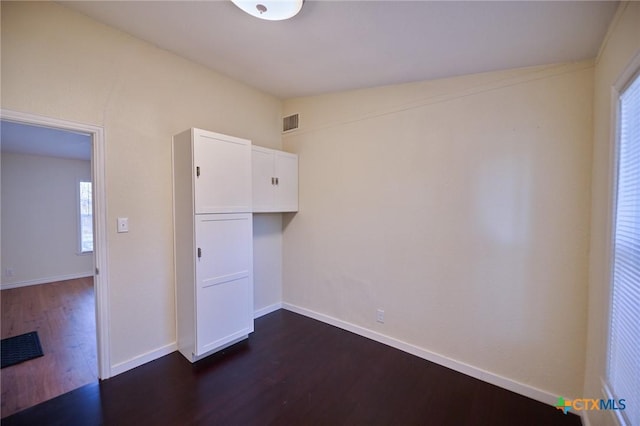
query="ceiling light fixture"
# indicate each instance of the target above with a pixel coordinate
(271, 10)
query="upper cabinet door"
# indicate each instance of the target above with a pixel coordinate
(286, 188)
(275, 180)
(222, 173)
(263, 178)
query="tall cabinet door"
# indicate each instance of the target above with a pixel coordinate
(222, 182)
(224, 277)
(286, 194)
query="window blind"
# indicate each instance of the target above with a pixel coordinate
(624, 333)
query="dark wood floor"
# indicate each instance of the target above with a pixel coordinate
(293, 371)
(63, 314)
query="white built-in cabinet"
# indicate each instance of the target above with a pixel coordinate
(213, 241)
(275, 180)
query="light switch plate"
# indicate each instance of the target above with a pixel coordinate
(123, 224)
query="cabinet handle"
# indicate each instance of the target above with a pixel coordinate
(277, 181)
(199, 252)
(273, 181)
(198, 171)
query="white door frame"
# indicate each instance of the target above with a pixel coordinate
(101, 276)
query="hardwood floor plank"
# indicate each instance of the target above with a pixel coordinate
(63, 314)
(294, 371)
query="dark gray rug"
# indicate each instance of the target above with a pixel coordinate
(20, 348)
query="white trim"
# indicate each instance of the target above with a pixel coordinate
(628, 74)
(267, 310)
(100, 259)
(46, 280)
(139, 360)
(461, 367)
(615, 414)
(612, 186)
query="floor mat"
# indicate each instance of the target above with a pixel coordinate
(21, 348)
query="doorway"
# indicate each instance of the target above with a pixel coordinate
(79, 291)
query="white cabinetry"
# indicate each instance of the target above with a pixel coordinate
(213, 241)
(222, 173)
(275, 180)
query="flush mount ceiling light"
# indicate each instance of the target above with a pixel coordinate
(271, 10)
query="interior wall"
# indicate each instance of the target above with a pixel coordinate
(40, 219)
(621, 46)
(267, 262)
(61, 64)
(461, 208)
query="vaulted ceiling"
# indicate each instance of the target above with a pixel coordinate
(341, 45)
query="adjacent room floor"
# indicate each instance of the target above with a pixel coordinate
(63, 314)
(293, 371)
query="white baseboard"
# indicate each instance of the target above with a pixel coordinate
(165, 350)
(469, 370)
(267, 310)
(46, 280)
(143, 359)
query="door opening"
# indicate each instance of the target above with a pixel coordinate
(90, 239)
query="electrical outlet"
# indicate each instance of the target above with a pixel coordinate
(8, 272)
(380, 316)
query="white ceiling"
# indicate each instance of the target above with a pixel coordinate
(36, 140)
(340, 45)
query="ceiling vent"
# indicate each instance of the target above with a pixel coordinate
(290, 123)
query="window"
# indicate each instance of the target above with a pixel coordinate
(623, 369)
(86, 218)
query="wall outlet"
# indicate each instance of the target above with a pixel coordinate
(8, 272)
(380, 316)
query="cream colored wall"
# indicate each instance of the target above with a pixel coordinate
(461, 208)
(40, 219)
(621, 46)
(61, 64)
(267, 262)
